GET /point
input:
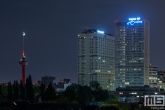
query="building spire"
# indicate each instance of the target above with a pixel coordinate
(23, 45)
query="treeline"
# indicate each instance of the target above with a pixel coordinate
(84, 94)
(73, 94)
(18, 91)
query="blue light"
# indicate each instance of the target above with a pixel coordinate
(102, 32)
(138, 18)
(132, 18)
(132, 21)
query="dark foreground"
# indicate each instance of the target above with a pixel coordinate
(24, 105)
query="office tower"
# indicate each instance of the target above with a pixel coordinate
(96, 58)
(132, 52)
(153, 72)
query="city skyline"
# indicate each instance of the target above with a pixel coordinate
(51, 29)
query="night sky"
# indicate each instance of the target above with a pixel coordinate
(52, 26)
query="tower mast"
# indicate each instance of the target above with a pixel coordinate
(23, 44)
(23, 62)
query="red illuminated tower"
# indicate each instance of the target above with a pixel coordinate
(23, 62)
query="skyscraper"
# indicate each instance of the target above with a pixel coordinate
(132, 52)
(96, 58)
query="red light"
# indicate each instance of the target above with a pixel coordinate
(116, 20)
(23, 54)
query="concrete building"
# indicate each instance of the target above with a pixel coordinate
(132, 52)
(65, 80)
(161, 77)
(157, 78)
(161, 86)
(153, 71)
(37, 83)
(47, 80)
(61, 86)
(96, 58)
(135, 93)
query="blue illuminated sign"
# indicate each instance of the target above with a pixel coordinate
(102, 32)
(132, 21)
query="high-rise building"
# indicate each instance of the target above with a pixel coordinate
(132, 52)
(153, 72)
(96, 58)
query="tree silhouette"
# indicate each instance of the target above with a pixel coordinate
(1, 94)
(84, 94)
(42, 90)
(50, 93)
(10, 91)
(98, 92)
(22, 91)
(71, 92)
(1, 90)
(29, 90)
(95, 85)
(79, 93)
(16, 90)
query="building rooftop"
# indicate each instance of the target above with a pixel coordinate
(138, 88)
(94, 31)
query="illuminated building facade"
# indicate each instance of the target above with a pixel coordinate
(161, 77)
(96, 58)
(153, 72)
(132, 52)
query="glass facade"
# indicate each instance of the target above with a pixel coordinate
(131, 54)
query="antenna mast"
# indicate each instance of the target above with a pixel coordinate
(23, 45)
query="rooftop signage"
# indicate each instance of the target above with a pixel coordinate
(133, 21)
(101, 32)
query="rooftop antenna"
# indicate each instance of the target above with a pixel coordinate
(23, 44)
